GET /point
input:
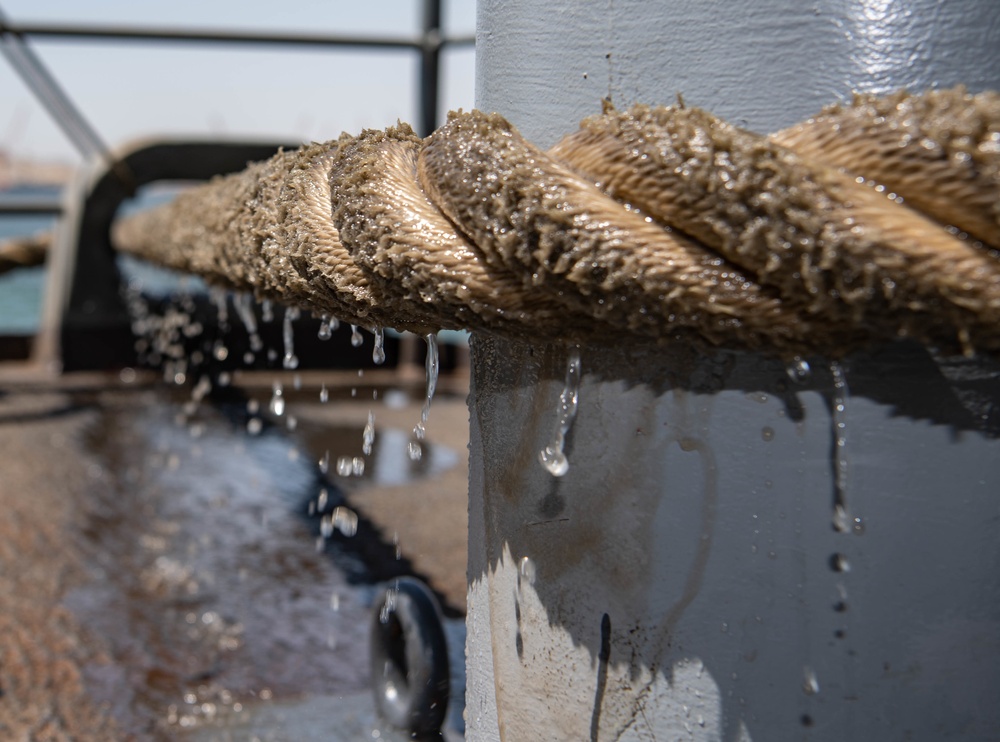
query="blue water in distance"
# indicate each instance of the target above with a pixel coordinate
(21, 289)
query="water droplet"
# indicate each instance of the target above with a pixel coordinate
(345, 521)
(858, 526)
(325, 331)
(344, 466)
(841, 519)
(810, 683)
(254, 425)
(244, 308)
(368, 437)
(324, 394)
(838, 417)
(277, 405)
(432, 365)
(378, 351)
(553, 456)
(357, 466)
(839, 563)
(267, 311)
(526, 571)
(798, 370)
(322, 499)
(767, 433)
(324, 463)
(220, 299)
(290, 361)
(356, 339)
(220, 351)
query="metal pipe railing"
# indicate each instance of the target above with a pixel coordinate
(139, 33)
(429, 44)
(24, 206)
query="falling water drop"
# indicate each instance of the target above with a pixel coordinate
(839, 563)
(201, 389)
(553, 456)
(219, 351)
(324, 463)
(415, 449)
(288, 334)
(356, 339)
(841, 518)
(324, 394)
(220, 299)
(325, 331)
(838, 416)
(798, 370)
(344, 466)
(322, 499)
(368, 437)
(810, 683)
(378, 352)
(254, 425)
(244, 308)
(526, 572)
(277, 405)
(345, 520)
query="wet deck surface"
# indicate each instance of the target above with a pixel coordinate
(160, 578)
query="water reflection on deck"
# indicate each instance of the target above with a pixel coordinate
(215, 609)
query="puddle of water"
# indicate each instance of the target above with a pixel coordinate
(207, 583)
(388, 465)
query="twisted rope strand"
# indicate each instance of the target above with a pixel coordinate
(641, 226)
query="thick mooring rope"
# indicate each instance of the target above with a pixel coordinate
(870, 221)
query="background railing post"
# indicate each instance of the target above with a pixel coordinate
(430, 66)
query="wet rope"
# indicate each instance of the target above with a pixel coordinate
(874, 220)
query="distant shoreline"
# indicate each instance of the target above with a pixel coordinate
(14, 172)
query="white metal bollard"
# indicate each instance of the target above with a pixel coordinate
(740, 550)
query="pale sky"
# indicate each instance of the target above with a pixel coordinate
(132, 89)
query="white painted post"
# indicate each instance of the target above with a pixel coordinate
(690, 577)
